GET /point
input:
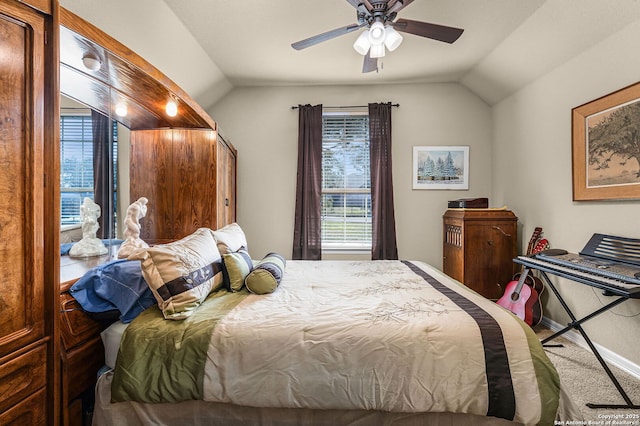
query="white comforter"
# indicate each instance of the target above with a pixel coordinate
(378, 336)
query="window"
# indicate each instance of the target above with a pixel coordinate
(346, 181)
(76, 164)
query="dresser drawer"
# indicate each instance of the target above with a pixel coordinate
(22, 376)
(75, 325)
(80, 367)
(31, 411)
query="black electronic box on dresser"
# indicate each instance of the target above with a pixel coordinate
(478, 248)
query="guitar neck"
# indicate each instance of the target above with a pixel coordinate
(521, 280)
(537, 232)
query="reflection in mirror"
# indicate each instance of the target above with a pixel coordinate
(94, 164)
(101, 74)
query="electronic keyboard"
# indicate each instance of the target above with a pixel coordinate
(609, 262)
(615, 258)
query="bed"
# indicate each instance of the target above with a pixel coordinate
(334, 342)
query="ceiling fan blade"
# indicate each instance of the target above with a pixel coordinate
(299, 45)
(368, 5)
(369, 64)
(424, 29)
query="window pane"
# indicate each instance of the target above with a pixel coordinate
(76, 164)
(346, 218)
(346, 182)
(70, 206)
(76, 152)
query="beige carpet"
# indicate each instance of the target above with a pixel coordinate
(586, 381)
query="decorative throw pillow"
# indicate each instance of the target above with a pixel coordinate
(230, 238)
(235, 268)
(266, 275)
(181, 274)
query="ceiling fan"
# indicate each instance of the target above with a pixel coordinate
(378, 16)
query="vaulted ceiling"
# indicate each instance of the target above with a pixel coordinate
(506, 44)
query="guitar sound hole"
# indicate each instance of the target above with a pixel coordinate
(515, 296)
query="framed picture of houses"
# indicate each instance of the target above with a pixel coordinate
(440, 167)
(606, 147)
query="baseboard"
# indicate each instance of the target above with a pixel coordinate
(609, 356)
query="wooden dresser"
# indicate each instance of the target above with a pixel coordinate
(81, 351)
(478, 248)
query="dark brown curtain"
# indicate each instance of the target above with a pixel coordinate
(103, 173)
(383, 244)
(307, 229)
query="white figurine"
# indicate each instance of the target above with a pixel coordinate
(132, 242)
(89, 245)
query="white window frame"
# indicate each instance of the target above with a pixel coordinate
(346, 246)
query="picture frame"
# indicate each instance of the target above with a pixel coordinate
(441, 167)
(605, 157)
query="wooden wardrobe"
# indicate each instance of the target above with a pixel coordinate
(188, 176)
(226, 180)
(28, 202)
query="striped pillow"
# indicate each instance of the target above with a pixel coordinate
(266, 275)
(181, 274)
(235, 268)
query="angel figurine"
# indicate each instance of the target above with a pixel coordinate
(89, 245)
(132, 242)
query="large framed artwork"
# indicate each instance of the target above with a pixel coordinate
(606, 147)
(440, 167)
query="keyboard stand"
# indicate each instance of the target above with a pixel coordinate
(577, 325)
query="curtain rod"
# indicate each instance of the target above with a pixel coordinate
(347, 106)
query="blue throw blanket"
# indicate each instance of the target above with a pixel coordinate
(116, 285)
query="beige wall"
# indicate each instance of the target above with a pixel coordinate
(532, 155)
(264, 129)
(520, 157)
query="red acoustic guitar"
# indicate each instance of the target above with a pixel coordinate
(522, 295)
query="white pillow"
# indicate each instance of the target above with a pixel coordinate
(230, 238)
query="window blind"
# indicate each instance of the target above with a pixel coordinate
(76, 164)
(346, 182)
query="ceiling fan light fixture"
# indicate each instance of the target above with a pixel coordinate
(392, 38)
(362, 43)
(377, 19)
(376, 33)
(377, 51)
